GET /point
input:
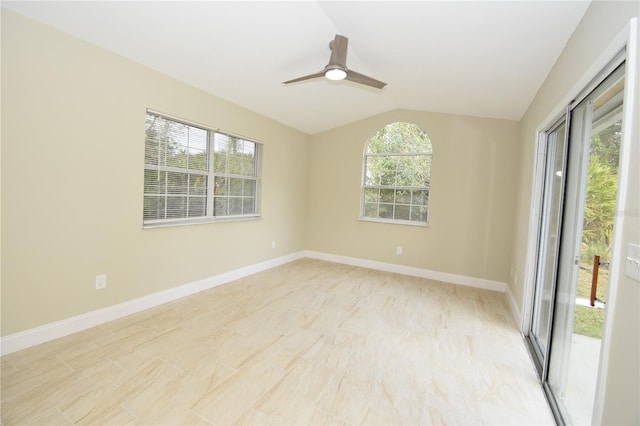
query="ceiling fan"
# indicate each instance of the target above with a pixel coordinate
(337, 69)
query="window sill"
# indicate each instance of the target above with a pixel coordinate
(198, 221)
(394, 222)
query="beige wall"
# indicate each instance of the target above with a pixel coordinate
(599, 27)
(72, 181)
(471, 205)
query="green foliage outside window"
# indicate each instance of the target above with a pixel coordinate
(178, 176)
(398, 174)
(602, 186)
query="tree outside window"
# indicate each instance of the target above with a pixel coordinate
(397, 175)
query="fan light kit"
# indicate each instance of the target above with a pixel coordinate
(337, 69)
(335, 74)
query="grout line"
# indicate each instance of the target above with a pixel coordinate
(64, 415)
(197, 415)
(65, 363)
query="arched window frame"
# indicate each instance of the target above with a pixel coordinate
(398, 190)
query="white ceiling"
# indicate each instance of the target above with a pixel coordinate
(476, 57)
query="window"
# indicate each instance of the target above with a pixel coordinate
(397, 175)
(193, 174)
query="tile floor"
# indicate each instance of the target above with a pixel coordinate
(310, 342)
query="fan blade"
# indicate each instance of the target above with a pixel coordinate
(306, 77)
(356, 77)
(338, 60)
(339, 51)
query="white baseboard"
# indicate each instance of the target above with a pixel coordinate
(409, 270)
(515, 310)
(45, 333)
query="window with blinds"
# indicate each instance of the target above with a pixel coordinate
(193, 174)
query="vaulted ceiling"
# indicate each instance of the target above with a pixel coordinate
(465, 57)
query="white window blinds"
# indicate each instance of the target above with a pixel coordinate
(196, 173)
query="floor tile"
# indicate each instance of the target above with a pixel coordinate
(309, 342)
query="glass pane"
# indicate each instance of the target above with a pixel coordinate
(219, 186)
(235, 145)
(220, 148)
(387, 195)
(371, 209)
(235, 206)
(419, 214)
(399, 137)
(151, 150)
(388, 171)
(420, 197)
(403, 196)
(402, 212)
(548, 252)
(248, 167)
(197, 139)
(177, 183)
(235, 165)
(176, 158)
(235, 186)
(422, 168)
(176, 207)
(405, 170)
(154, 207)
(373, 171)
(248, 205)
(386, 211)
(220, 143)
(220, 163)
(177, 134)
(152, 183)
(197, 185)
(249, 188)
(249, 149)
(197, 206)
(198, 159)
(220, 206)
(371, 195)
(181, 145)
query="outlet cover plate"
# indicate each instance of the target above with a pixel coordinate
(101, 281)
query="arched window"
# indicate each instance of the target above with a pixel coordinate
(397, 175)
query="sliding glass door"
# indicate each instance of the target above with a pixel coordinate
(555, 148)
(577, 211)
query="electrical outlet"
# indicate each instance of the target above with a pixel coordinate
(101, 281)
(273, 244)
(399, 250)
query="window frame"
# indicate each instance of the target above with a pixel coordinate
(211, 175)
(395, 188)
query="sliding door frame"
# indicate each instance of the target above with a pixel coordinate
(623, 48)
(547, 160)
